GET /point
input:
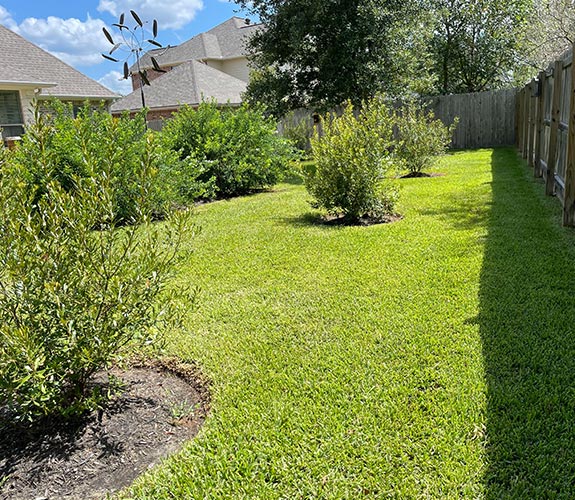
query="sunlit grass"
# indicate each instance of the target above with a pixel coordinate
(354, 362)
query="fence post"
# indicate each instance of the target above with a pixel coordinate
(554, 132)
(532, 122)
(517, 119)
(569, 198)
(540, 111)
(520, 121)
(525, 121)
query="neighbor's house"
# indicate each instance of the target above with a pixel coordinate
(28, 72)
(211, 65)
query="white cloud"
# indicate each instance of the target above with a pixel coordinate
(76, 42)
(6, 19)
(170, 14)
(114, 80)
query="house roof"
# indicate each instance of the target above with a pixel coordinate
(225, 41)
(188, 83)
(27, 65)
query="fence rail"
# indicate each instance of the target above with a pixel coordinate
(546, 131)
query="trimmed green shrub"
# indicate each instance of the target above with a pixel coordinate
(421, 138)
(75, 289)
(352, 160)
(239, 149)
(96, 143)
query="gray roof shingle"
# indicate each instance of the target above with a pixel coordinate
(188, 83)
(225, 41)
(22, 61)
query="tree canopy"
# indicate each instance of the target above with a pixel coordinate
(322, 53)
(477, 44)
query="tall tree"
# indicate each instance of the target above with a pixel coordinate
(478, 44)
(552, 31)
(319, 53)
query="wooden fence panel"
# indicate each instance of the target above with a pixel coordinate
(546, 130)
(486, 119)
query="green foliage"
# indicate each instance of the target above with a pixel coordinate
(238, 150)
(421, 138)
(351, 162)
(319, 54)
(74, 288)
(94, 143)
(478, 44)
(298, 130)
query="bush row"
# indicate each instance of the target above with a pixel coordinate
(202, 153)
(83, 271)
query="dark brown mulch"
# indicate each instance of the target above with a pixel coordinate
(412, 175)
(162, 406)
(333, 220)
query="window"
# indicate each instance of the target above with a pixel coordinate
(11, 120)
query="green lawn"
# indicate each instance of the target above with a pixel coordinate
(433, 357)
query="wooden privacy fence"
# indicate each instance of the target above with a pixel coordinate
(486, 119)
(546, 131)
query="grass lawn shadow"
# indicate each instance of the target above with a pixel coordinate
(527, 326)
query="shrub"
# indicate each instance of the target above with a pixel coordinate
(95, 143)
(421, 139)
(298, 131)
(75, 289)
(239, 148)
(351, 162)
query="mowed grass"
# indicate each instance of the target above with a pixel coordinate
(433, 357)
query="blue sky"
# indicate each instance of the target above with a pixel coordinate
(72, 30)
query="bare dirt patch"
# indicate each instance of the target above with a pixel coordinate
(162, 405)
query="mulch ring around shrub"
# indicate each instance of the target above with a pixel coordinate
(334, 220)
(413, 175)
(163, 404)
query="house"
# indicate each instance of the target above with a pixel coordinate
(211, 65)
(28, 72)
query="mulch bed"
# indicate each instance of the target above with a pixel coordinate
(332, 220)
(413, 175)
(163, 405)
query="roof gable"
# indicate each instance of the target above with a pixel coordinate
(225, 41)
(22, 61)
(188, 83)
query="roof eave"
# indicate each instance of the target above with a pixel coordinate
(79, 97)
(27, 84)
(173, 107)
